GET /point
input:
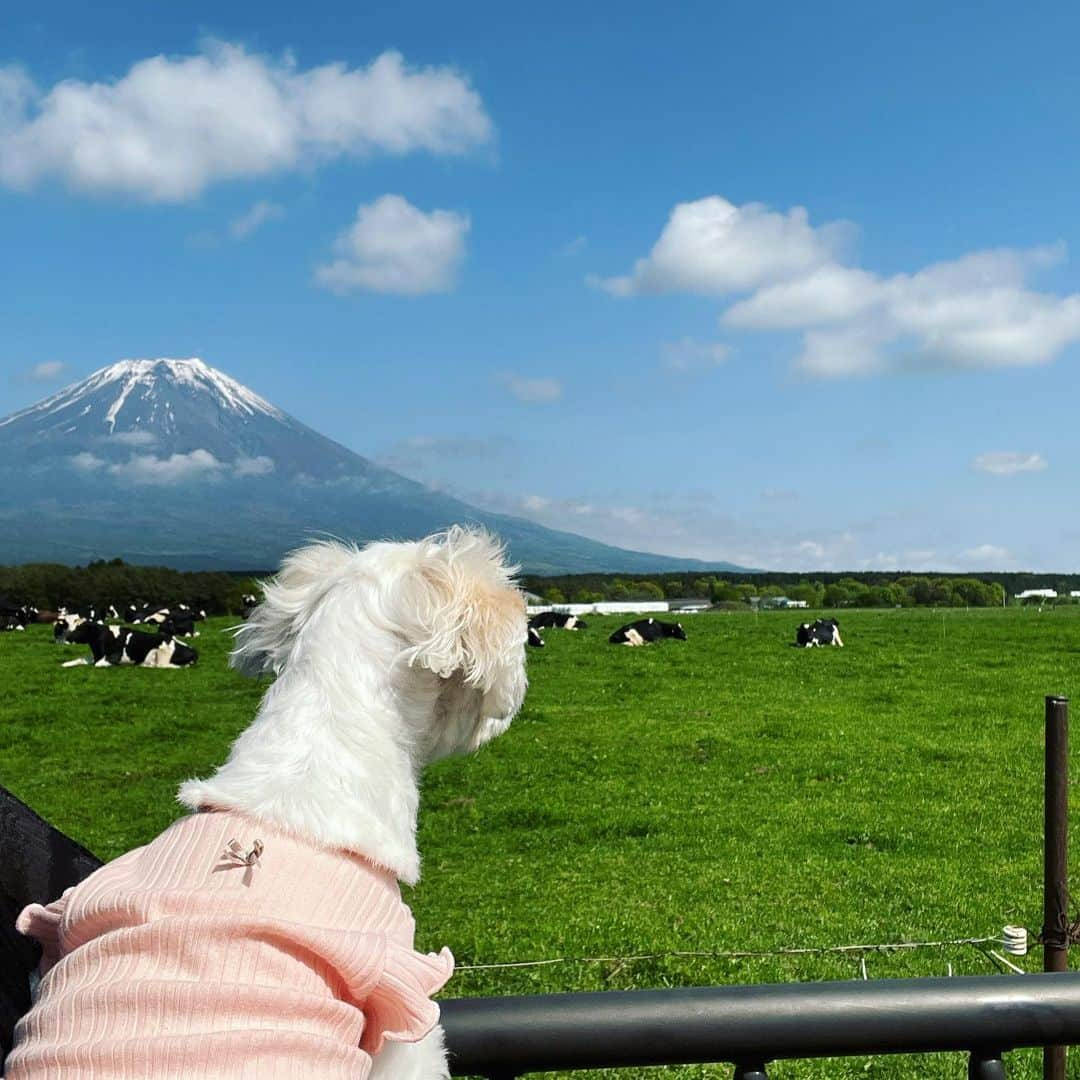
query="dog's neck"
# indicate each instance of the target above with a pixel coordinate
(319, 766)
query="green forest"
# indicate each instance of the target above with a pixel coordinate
(873, 590)
(50, 585)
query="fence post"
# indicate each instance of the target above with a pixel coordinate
(1055, 931)
(986, 1067)
(750, 1072)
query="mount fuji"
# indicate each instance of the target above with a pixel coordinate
(172, 462)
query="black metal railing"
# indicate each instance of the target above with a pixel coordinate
(750, 1026)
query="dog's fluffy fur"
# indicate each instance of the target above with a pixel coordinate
(387, 658)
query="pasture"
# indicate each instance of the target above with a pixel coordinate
(725, 794)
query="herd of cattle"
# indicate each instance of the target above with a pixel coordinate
(110, 643)
(642, 632)
(646, 631)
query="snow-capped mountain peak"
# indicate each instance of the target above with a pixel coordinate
(139, 395)
(165, 421)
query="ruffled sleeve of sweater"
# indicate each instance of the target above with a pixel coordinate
(42, 922)
(399, 1007)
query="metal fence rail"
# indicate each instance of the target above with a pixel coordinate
(749, 1026)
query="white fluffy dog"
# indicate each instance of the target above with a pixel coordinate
(387, 658)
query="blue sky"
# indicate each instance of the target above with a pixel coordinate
(790, 287)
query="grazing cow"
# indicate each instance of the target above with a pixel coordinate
(534, 639)
(821, 632)
(646, 631)
(121, 645)
(248, 603)
(557, 619)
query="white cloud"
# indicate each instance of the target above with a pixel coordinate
(810, 549)
(970, 312)
(260, 213)
(918, 559)
(714, 247)
(688, 357)
(975, 311)
(87, 462)
(1008, 463)
(172, 126)
(829, 294)
(987, 556)
(537, 391)
(174, 469)
(132, 438)
(252, 466)
(47, 371)
(17, 91)
(393, 247)
(575, 246)
(690, 524)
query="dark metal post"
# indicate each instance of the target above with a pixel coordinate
(1055, 931)
(750, 1072)
(986, 1067)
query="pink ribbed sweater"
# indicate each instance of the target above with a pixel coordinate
(177, 960)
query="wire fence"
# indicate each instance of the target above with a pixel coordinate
(1013, 940)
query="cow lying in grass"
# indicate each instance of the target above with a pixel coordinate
(120, 645)
(65, 626)
(558, 620)
(821, 632)
(646, 631)
(16, 618)
(534, 639)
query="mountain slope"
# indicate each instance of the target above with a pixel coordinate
(173, 462)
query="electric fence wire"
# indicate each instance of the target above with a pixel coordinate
(1009, 942)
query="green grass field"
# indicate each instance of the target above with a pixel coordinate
(725, 794)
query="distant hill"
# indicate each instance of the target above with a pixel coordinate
(173, 463)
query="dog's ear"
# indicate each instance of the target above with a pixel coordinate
(467, 615)
(289, 600)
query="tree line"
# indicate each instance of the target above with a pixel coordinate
(49, 586)
(826, 591)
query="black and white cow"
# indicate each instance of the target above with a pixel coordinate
(16, 618)
(121, 645)
(534, 639)
(248, 603)
(65, 626)
(180, 614)
(557, 619)
(646, 631)
(179, 624)
(820, 632)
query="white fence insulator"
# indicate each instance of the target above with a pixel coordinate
(1014, 940)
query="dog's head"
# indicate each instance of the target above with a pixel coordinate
(434, 628)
